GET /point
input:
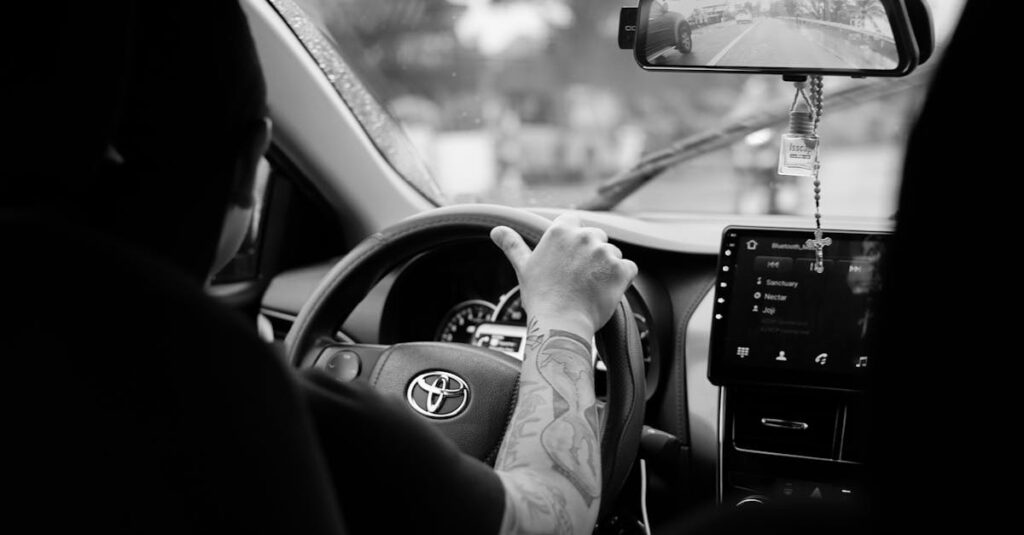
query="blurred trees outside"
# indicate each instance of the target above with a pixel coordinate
(859, 13)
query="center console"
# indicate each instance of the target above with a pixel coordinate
(791, 345)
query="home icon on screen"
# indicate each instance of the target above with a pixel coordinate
(752, 245)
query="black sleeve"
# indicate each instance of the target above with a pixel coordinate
(394, 473)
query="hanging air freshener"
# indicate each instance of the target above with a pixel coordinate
(798, 155)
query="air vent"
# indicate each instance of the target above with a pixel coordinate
(280, 322)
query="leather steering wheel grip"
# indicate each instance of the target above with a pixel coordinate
(623, 418)
(352, 278)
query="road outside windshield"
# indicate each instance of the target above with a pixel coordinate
(531, 103)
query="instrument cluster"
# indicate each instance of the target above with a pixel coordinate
(502, 325)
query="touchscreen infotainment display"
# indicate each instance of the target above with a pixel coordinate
(777, 320)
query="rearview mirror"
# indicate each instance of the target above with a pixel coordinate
(835, 37)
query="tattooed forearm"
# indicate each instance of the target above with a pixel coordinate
(571, 438)
(536, 506)
(550, 461)
(531, 399)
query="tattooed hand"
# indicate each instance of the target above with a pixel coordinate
(574, 275)
(550, 460)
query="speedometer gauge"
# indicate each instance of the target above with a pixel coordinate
(461, 321)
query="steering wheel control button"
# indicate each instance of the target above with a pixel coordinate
(438, 394)
(342, 364)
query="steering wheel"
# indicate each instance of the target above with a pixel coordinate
(468, 392)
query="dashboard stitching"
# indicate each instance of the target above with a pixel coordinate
(679, 359)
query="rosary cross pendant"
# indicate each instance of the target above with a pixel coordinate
(818, 244)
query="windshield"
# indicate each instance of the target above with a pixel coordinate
(530, 103)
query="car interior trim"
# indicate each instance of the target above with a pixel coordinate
(720, 479)
(702, 397)
(317, 131)
(682, 401)
(795, 456)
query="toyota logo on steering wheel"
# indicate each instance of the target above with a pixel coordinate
(438, 394)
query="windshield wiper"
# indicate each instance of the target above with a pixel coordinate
(612, 192)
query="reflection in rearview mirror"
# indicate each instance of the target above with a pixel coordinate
(797, 34)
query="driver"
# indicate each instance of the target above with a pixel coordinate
(156, 147)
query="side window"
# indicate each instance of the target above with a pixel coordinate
(245, 265)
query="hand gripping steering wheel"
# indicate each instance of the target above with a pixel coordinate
(468, 392)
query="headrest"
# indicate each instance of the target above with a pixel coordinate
(943, 340)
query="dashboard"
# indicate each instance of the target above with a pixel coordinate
(467, 293)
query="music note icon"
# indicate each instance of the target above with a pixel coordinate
(862, 362)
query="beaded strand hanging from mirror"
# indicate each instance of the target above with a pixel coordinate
(798, 154)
